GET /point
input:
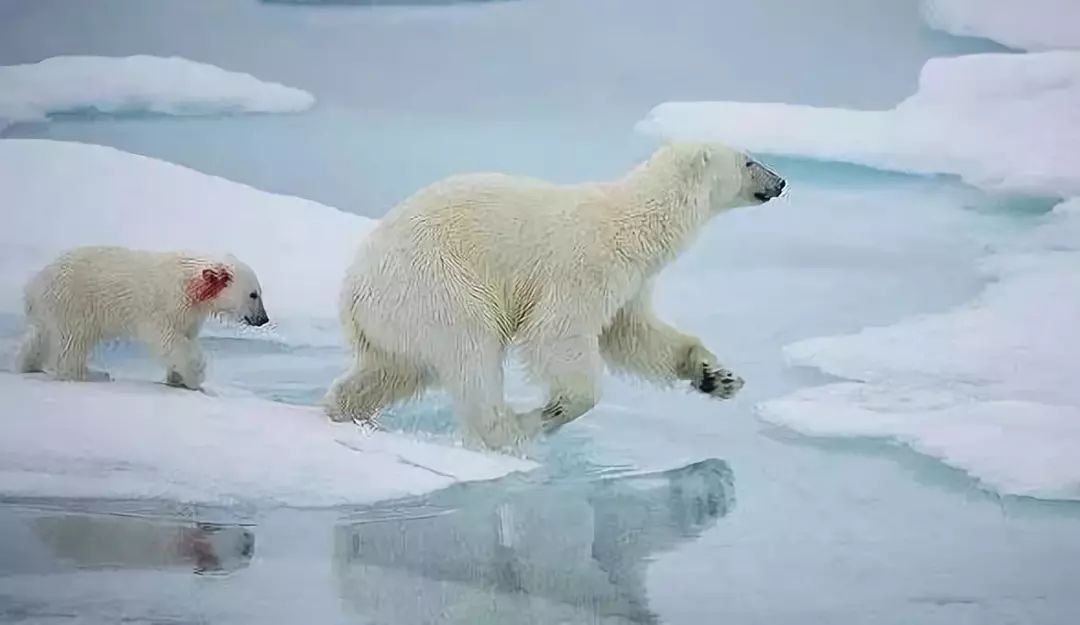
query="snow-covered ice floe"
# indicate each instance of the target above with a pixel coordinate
(148, 441)
(1004, 122)
(137, 84)
(989, 388)
(1028, 24)
(142, 439)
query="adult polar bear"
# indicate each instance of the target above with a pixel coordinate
(474, 264)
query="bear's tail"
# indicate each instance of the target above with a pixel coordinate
(354, 334)
(35, 346)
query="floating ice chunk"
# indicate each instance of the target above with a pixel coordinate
(1014, 447)
(142, 440)
(1019, 338)
(1028, 25)
(58, 194)
(1007, 122)
(132, 84)
(989, 388)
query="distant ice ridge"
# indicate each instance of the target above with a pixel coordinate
(1024, 24)
(1003, 122)
(134, 84)
(989, 388)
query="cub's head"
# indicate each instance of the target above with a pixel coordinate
(734, 178)
(229, 288)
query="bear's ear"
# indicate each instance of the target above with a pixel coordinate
(210, 282)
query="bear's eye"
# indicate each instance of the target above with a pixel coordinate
(254, 295)
(749, 163)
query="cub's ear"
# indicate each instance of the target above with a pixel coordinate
(210, 282)
(214, 275)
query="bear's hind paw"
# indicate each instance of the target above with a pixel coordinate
(505, 437)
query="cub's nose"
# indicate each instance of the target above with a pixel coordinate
(257, 320)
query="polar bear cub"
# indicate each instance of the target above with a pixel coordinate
(473, 265)
(92, 294)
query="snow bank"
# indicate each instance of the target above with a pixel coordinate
(143, 440)
(989, 388)
(1007, 122)
(58, 194)
(1028, 25)
(133, 84)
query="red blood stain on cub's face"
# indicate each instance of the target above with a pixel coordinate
(209, 283)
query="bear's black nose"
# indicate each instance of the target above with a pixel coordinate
(770, 184)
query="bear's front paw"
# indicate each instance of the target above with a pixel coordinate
(553, 416)
(717, 382)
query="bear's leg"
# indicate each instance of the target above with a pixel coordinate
(73, 350)
(34, 350)
(184, 363)
(372, 383)
(638, 343)
(570, 368)
(474, 378)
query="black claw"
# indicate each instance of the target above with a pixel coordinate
(708, 381)
(552, 411)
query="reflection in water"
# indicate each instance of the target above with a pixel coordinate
(522, 549)
(518, 551)
(111, 542)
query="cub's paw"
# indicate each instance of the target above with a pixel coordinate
(717, 382)
(84, 375)
(93, 375)
(177, 380)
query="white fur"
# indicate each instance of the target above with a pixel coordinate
(475, 264)
(93, 294)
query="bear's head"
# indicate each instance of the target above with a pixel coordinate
(734, 178)
(229, 288)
